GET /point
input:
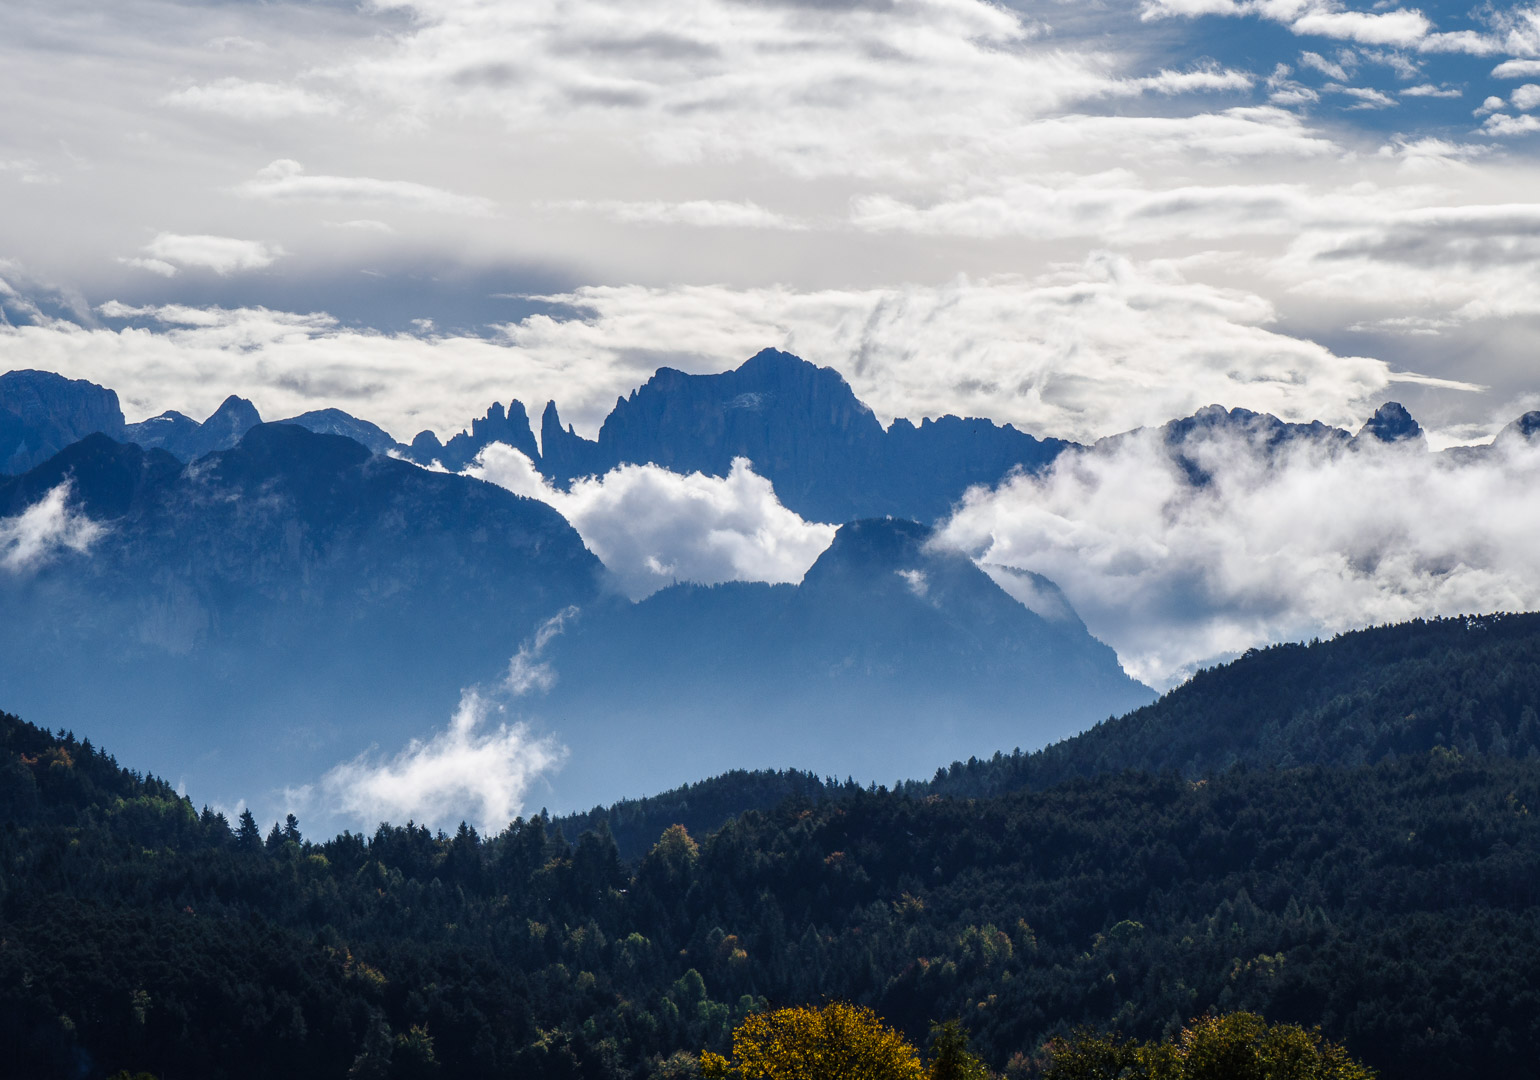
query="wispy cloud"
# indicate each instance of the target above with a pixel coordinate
(249, 100)
(471, 771)
(45, 530)
(700, 213)
(286, 181)
(528, 670)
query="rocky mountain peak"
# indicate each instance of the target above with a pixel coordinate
(1391, 423)
(41, 413)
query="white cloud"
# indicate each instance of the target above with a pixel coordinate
(1501, 124)
(700, 213)
(1516, 69)
(1167, 82)
(652, 527)
(1526, 97)
(1322, 18)
(44, 530)
(526, 670)
(1470, 262)
(221, 254)
(1331, 69)
(1083, 352)
(917, 581)
(248, 100)
(469, 771)
(1285, 91)
(1368, 98)
(1429, 90)
(287, 181)
(1519, 30)
(1312, 542)
(922, 89)
(154, 266)
(1401, 28)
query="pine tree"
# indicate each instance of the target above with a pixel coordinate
(248, 837)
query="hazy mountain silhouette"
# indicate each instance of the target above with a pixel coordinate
(186, 439)
(888, 657)
(41, 413)
(274, 608)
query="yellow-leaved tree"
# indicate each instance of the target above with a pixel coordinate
(836, 1042)
(1240, 1046)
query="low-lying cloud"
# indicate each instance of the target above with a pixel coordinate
(169, 252)
(1279, 545)
(652, 527)
(470, 771)
(45, 530)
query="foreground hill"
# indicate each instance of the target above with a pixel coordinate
(887, 657)
(1468, 684)
(1394, 904)
(255, 617)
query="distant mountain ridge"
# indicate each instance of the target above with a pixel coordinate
(802, 426)
(804, 429)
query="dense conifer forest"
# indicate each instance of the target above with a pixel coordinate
(1393, 903)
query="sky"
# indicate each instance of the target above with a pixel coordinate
(1077, 217)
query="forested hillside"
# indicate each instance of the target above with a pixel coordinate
(1395, 904)
(1471, 684)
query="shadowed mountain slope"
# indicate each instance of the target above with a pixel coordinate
(888, 657)
(274, 607)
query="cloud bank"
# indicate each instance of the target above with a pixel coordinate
(1281, 544)
(652, 527)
